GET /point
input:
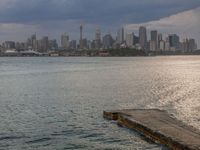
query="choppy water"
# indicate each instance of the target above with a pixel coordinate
(57, 103)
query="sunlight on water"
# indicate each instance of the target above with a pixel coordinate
(57, 103)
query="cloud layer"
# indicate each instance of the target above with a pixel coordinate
(91, 11)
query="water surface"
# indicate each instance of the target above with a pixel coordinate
(57, 103)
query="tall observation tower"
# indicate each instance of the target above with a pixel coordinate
(81, 37)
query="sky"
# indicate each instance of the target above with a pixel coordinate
(21, 18)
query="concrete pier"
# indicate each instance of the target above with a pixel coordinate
(159, 126)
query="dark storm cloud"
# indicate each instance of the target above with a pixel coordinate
(91, 11)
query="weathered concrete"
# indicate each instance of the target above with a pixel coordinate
(159, 126)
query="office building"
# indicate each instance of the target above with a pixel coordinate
(130, 40)
(120, 36)
(143, 37)
(65, 41)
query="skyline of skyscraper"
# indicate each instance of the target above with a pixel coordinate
(143, 37)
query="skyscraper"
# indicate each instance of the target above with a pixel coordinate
(107, 41)
(81, 37)
(34, 42)
(64, 41)
(174, 41)
(154, 40)
(143, 37)
(98, 39)
(45, 44)
(120, 36)
(130, 40)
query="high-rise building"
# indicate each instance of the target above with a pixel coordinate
(162, 45)
(159, 40)
(174, 41)
(154, 40)
(45, 44)
(73, 44)
(84, 43)
(107, 41)
(34, 42)
(9, 45)
(143, 37)
(65, 41)
(120, 36)
(160, 37)
(130, 40)
(135, 40)
(53, 44)
(153, 45)
(98, 39)
(189, 45)
(81, 37)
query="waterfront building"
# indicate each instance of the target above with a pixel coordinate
(159, 40)
(120, 36)
(130, 40)
(143, 37)
(53, 45)
(107, 41)
(73, 44)
(98, 39)
(9, 45)
(84, 43)
(189, 45)
(160, 37)
(167, 46)
(34, 42)
(154, 40)
(44, 44)
(153, 45)
(81, 37)
(135, 40)
(162, 45)
(174, 41)
(65, 41)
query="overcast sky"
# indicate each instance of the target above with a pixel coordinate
(21, 18)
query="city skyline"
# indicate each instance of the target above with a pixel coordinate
(19, 18)
(147, 41)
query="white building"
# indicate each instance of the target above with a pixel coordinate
(130, 40)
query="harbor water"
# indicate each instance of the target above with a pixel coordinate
(56, 103)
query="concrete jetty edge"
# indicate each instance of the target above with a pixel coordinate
(158, 126)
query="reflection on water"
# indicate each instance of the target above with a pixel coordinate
(57, 103)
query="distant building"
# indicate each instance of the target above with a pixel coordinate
(154, 40)
(84, 43)
(98, 39)
(174, 41)
(44, 44)
(65, 41)
(143, 37)
(73, 44)
(9, 45)
(107, 41)
(130, 40)
(189, 45)
(153, 45)
(162, 45)
(167, 46)
(53, 45)
(135, 40)
(81, 37)
(160, 39)
(120, 36)
(34, 42)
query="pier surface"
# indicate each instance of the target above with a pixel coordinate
(159, 126)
